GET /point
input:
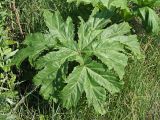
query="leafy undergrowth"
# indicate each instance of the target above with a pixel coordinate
(140, 96)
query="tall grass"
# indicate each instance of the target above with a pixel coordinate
(30, 12)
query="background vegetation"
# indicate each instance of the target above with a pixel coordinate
(19, 97)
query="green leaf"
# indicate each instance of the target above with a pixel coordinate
(74, 89)
(150, 19)
(99, 19)
(20, 56)
(104, 77)
(45, 78)
(93, 79)
(52, 63)
(118, 32)
(64, 31)
(131, 43)
(88, 31)
(96, 95)
(36, 43)
(86, 34)
(54, 22)
(55, 57)
(113, 58)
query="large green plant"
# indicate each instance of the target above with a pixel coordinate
(100, 54)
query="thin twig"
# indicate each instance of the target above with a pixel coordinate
(148, 44)
(17, 17)
(23, 99)
(12, 26)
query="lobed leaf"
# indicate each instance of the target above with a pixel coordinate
(93, 80)
(75, 87)
(45, 78)
(64, 31)
(36, 43)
